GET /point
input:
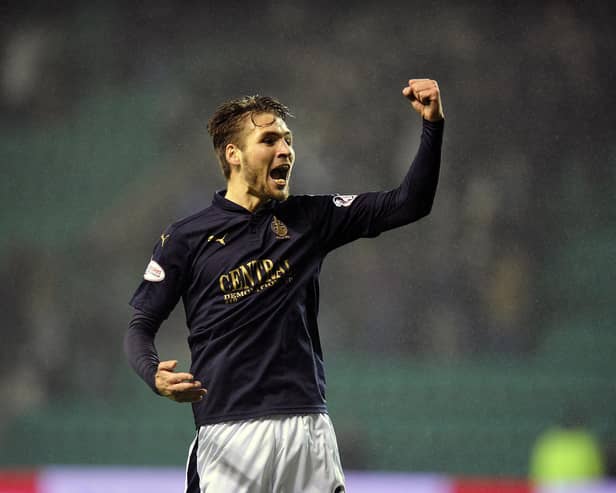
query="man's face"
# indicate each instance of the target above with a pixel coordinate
(266, 156)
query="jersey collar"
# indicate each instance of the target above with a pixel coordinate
(223, 203)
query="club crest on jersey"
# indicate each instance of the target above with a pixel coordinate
(280, 229)
(343, 200)
(154, 272)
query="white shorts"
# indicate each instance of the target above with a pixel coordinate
(277, 454)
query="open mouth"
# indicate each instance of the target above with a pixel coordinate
(280, 174)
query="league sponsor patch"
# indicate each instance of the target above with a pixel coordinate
(154, 272)
(343, 200)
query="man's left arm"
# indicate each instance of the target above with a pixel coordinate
(413, 199)
(345, 218)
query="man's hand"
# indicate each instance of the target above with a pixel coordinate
(179, 387)
(425, 98)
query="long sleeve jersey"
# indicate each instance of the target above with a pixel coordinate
(249, 282)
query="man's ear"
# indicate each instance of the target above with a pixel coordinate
(233, 154)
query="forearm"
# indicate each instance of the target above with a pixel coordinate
(413, 199)
(139, 346)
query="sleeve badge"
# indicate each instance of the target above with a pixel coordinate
(343, 200)
(154, 272)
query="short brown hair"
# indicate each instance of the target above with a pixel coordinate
(224, 125)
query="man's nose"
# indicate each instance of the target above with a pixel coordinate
(284, 149)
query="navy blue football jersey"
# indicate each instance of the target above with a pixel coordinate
(249, 282)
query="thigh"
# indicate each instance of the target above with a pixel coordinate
(236, 457)
(308, 459)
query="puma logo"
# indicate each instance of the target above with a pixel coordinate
(217, 240)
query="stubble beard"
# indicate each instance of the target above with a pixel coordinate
(262, 189)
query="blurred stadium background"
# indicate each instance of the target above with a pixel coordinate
(451, 345)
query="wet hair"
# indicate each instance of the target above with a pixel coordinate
(226, 123)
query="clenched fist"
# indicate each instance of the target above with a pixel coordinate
(425, 98)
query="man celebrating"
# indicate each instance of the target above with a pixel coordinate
(247, 270)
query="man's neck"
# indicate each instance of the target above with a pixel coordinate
(242, 197)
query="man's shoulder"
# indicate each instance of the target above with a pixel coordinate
(319, 200)
(194, 222)
(306, 199)
(296, 204)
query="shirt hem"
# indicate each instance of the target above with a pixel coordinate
(210, 420)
